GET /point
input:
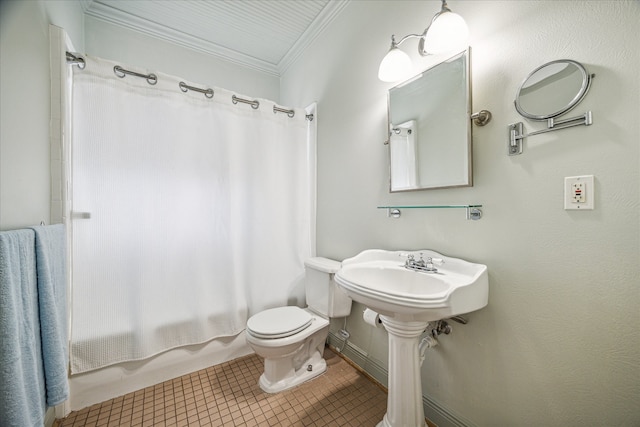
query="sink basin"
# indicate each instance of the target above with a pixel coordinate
(407, 300)
(379, 280)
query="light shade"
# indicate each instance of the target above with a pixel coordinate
(448, 33)
(395, 66)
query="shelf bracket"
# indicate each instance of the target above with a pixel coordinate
(474, 213)
(393, 213)
(517, 135)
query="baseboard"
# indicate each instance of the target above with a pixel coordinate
(359, 357)
(440, 416)
(434, 412)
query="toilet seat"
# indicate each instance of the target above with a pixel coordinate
(279, 322)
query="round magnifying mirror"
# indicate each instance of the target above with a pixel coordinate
(552, 89)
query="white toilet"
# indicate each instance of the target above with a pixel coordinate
(291, 339)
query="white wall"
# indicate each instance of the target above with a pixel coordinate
(25, 189)
(24, 122)
(559, 343)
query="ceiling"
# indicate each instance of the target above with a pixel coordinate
(267, 35)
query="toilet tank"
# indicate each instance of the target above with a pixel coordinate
(323, 294)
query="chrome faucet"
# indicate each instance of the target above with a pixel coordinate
(422, 264)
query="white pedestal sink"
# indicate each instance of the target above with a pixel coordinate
(407, 301)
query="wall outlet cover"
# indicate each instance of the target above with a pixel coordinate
(579, 192)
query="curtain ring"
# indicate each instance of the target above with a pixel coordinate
(118, 71)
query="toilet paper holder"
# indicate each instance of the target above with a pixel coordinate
(371, 318)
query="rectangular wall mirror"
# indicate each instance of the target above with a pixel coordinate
(430, 128)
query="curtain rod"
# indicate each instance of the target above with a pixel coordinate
(152, 79)
(76, 59)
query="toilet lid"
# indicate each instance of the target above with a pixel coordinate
(278, 322)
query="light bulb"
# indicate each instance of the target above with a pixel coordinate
(395, 66)
(447, 33)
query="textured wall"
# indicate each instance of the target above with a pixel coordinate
(558, 343)
(25, 185)
(24, 118)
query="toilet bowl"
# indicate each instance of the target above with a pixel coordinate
(291, 357)
(291, 339)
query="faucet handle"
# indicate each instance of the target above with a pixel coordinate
(410, 258)
(429, 264)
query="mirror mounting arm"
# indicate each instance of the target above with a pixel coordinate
(547, 93)
(481, 118)
(517, 135)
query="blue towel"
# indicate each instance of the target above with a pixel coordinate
(52, 303)
(22, 397)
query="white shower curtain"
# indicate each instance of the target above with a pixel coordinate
(189, 214)
(403, 155)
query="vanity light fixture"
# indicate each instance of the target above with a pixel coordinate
(447, 32)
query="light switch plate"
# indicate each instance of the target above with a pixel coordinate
(579, 192)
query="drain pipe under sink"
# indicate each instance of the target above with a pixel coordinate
(435, 329)
(426, 342)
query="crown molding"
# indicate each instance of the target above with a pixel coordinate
(324, 18)
(114, 16)
(85, 5)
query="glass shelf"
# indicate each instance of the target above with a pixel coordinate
(473, 211)
(429, 206)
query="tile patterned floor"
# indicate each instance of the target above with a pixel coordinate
(228, 395)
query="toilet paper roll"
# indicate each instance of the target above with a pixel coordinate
(371, 318)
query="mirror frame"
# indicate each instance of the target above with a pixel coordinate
(469, 133)
(584, 88)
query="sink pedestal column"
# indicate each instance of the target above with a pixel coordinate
(404, 404)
